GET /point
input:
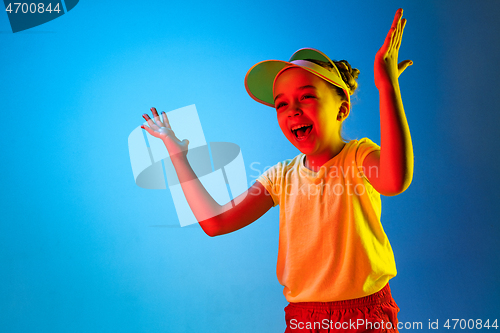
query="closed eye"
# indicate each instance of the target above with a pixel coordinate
(280, 105)
(308, 96)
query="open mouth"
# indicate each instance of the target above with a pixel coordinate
(302, 131)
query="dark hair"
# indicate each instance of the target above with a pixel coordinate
(348, 74)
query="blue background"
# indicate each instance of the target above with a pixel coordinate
(83, 249)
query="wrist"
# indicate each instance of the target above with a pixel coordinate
(391, 84)
(179, 158)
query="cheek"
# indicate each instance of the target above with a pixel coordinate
(327, 119)
(284, 128)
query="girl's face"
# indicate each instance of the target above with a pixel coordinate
(307, 108)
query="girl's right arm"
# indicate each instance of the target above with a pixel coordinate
(213, 218)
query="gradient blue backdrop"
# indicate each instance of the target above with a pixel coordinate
(83, 249)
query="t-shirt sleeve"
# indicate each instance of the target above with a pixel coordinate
(269, 179)
(365, 147)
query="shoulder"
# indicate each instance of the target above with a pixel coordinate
(275, 174)
(362, 143)
(359, 149)
(284, 166)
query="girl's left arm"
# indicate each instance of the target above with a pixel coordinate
(394, 161)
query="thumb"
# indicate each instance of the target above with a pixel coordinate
(185, 141)
(403, 65)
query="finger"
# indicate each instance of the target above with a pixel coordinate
(392, 41)
(156, 117)
(397, 17)
(387, 41)
(165, 120)
(403, 65)
(155, 113)
(394, 24)
(397, 41)
(150, 121)
(395, 35)
(400, 30)
(149, 130)
(403, 24)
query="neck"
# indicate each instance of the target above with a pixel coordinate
(315, 161)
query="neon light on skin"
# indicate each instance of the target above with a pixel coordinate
(304, 98)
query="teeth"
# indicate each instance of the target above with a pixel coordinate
(299, 126)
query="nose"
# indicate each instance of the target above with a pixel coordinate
(294, 110)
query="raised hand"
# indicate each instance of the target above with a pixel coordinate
(387, 70)
(163, 131)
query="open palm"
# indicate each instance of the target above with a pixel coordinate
(162, 130)
(387, 70)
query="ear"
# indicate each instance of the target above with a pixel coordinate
(343, 111)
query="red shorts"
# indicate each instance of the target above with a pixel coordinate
(373, 313)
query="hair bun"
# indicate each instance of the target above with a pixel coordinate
(349, 74)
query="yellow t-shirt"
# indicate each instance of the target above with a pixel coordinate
(332, 245)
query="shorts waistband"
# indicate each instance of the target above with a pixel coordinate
(382, 296)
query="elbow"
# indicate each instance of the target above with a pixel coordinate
(406, 182)
(209, 232)
(213, 234)
(209, 226)
(392, 192)
(396, 187)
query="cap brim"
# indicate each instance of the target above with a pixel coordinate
(259, 80)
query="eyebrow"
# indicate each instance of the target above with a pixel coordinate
(299, 88)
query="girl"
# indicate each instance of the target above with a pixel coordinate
(334, 259)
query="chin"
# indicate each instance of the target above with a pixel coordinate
(307, 150)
